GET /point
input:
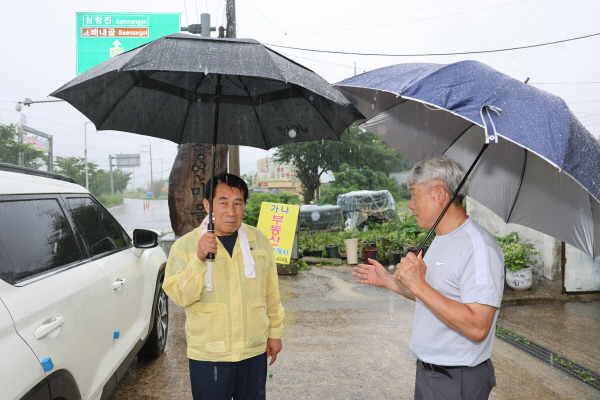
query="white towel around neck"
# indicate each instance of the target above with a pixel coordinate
(249, 264)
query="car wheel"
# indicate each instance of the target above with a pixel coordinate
(155, 345)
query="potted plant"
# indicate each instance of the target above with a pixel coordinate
(518, 261)
(332, 250)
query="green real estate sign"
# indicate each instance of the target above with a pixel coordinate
(104, 35)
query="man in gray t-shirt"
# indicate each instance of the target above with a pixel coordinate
(457, 288)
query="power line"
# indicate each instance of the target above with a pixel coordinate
(186, 13)
(436, 54)
(350, 26)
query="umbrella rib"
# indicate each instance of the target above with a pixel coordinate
(189, 95)
(187, 112)
(457, 137)
(262, 131)
(312, 104)
(512, 207)
(136, 78)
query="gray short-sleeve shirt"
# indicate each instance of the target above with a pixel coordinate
(466, 265)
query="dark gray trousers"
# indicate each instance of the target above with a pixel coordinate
(466, 383)
(240, 380)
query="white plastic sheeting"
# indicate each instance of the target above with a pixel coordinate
(366, 205)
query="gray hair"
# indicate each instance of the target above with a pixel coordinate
(440, 168)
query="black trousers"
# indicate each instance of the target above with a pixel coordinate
(241, 380)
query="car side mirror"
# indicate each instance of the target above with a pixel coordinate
(144, 239)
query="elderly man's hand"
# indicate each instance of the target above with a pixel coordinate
(411, 271)
(372, 273)
(273, 348)
(207, 244)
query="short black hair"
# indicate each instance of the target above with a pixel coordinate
(229, 180)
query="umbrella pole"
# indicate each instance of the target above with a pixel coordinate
(211, 225)
(460, 185)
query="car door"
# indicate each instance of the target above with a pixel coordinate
(58, 300)
(130, 280)
(20, 369)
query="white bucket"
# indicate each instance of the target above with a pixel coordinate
(351, 251)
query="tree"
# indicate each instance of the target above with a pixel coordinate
(248, 177)
(99, 179)
(74, 167)
(10, 148)
(357, 148)
(156, 187)
(349, 179)
(311, 160)
(360, 148)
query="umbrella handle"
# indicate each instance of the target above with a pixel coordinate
(460, 185)
(211, 226)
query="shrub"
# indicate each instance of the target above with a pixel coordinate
(109, 200)
(517, 254)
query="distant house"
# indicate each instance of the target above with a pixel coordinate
(275, 177)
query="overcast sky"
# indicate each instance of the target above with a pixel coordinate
(38, 47)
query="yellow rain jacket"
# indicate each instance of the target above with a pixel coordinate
(232, 322)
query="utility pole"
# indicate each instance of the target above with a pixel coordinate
(112, 182)
(151, 175)
(87, 185)
(21, 155)
(234, 151)
(150, 151)
(230, 11)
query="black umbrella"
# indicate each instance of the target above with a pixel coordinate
(191, 89)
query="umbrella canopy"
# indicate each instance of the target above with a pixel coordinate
(191, 89)
(544, 170)
(168, 89)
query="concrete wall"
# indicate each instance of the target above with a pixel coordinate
(400, 177)
(547, 264)
(582, 272)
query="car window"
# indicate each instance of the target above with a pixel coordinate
(99, 230)
(35, 237)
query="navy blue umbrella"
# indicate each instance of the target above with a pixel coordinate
(541, 168)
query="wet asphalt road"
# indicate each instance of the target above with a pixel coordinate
(133, 214)
(349, 341)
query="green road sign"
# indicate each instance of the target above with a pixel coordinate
(104, 35)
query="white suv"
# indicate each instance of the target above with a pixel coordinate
(78, 300)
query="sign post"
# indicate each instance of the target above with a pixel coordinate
(101, 36)
(278, 223)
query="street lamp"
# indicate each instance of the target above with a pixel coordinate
(87, 185)
(28, 102)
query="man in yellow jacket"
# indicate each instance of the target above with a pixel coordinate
(234, 316)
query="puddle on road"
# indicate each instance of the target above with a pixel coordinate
(345, 288)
